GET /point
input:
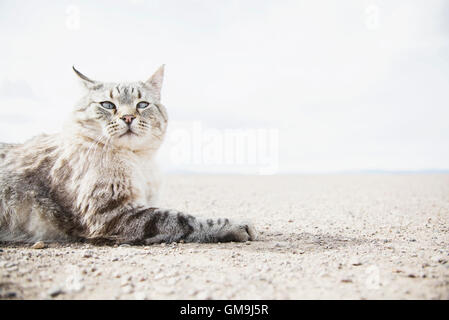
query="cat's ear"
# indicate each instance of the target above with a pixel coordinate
(88, 83)
(156, 79)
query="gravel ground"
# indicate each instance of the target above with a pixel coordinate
(321, 237)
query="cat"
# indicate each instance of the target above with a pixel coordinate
(97, 179)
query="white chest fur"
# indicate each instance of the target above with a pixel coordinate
(121, 175)
(144, 179)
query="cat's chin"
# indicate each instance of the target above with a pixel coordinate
(132, 141)
(128, 138)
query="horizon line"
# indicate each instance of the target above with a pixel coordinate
(371, 171)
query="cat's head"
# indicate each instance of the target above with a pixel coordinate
(126, 115)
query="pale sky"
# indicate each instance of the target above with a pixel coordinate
(315, 86)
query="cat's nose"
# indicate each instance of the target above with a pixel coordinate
(128, 118)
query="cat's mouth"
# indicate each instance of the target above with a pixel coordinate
(129, 132)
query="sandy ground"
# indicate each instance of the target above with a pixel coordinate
(321, 237)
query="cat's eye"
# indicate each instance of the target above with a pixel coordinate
(107, 105)
(142, 105)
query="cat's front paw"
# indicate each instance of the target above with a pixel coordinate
(238, 232)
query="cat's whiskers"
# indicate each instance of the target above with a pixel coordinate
(91, 146)
(94, 145)
(105, 153)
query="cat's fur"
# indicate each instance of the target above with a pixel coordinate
(97, 180)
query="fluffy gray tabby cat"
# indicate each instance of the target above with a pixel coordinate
(97, 180)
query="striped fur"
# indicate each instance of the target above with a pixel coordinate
(97, 180)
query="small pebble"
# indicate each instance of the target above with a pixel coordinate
(55, 292)
(204, 296)
(439, 259)
(8, 295)
(158, 276)
(127, 289)
(38, 245)
(87, 254)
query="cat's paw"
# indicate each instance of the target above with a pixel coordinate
(238, 232)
